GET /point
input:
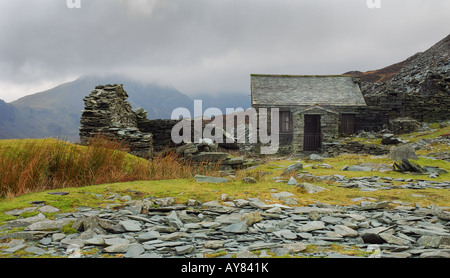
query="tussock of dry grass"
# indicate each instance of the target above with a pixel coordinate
(35, 165)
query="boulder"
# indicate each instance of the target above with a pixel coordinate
(187, 149)
(432, 241)
(402, 152)
(389, 139)
(359, 168)
(292, 181)
(435, 170)
(164, 202)
(249, 180)
(47, 225)
(234, 161)
(315, 157)
(293, 167)
(237, 228)
(251, 218)
(374, 206)
(311, 188)
(403, 125)
(88, 223)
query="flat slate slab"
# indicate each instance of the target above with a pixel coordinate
(200, 178)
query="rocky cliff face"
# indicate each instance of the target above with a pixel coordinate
(418, 87)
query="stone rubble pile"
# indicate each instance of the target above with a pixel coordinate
(207, 152)
(419, 91)
(374, 183)
(159, 228)
(336, 148)
(403, 125)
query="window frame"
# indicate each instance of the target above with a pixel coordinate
(286, 124)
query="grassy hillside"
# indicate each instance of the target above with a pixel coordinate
(102, 169)
(183, 189)
(33, 165)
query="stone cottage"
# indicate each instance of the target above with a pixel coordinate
(313, 109)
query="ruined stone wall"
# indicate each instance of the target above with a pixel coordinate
(161, 130)
(108, 113)
(333, 149)
(389, 105)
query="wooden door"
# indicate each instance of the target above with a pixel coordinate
(312, 133)
(347, 124)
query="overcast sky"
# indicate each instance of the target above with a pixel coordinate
(207, 46)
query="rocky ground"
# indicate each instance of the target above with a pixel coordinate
(240, 228)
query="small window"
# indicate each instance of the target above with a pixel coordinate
(285, 122)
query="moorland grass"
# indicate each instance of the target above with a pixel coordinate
(44, 164)
(103, 168)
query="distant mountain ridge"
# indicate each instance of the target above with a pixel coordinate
(57, 112)
(68, 97)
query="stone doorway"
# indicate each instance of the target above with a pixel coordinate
(312, 133)
(347, 124)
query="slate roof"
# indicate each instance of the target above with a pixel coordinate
(290, 90)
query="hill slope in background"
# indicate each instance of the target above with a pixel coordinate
(24, 123)
(57, 111)
(7, 115)
(415, 69)
(68, 97)
(384, 74)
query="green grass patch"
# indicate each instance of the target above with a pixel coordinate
(36, 165)
(30, 169)
(416, 136)
(185, 189)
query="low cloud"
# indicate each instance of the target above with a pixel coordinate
(204, 46)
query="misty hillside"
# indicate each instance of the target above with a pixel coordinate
(23, 123)
(58, 111)
(224, 101)
(68, 98)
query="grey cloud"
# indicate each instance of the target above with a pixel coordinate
(210, 46)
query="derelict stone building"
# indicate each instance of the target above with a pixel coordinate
(313, 109)
(108, 113)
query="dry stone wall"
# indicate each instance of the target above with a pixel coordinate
(108, 113)
(160, 129)
(334, 149)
